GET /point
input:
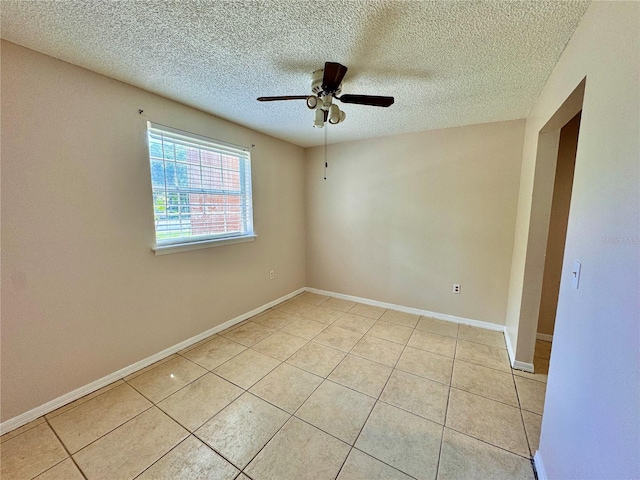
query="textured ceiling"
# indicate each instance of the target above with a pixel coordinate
(446, 63)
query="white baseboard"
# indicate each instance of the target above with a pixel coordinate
(517, 364)
(537, 461)
(26, 417)
(525, 367)
(510, 350)
(415, 311)
(545, 337)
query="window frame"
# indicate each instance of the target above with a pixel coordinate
(245, 192)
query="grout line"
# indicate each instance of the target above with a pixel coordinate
(167, 453)
(490, 444)
(69, 457)
(446, 415)
(115, 428)
(106, 388)
(66, 450)
(526, 435)
(16, 435)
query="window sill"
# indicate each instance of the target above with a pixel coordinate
(185, 247)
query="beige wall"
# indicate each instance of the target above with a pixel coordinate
(591, 422)
(401, 219)
(558, 219)
(82, 293)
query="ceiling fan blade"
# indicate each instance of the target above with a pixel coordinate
(332, 76)
(289, 97)
(372, 100)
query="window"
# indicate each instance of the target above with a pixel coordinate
(201, 190)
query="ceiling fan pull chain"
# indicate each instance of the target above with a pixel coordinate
(326, 164)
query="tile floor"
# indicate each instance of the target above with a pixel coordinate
(316, 388)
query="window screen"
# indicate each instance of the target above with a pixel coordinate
(201, 187)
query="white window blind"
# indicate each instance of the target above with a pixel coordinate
(201, 187)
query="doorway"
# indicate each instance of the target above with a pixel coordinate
(558, 221)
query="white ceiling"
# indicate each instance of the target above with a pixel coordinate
(446, 63)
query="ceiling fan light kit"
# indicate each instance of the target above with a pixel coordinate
(326, 84)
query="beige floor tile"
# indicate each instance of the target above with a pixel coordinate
(65, 470)
(236, 325)
(400, 318)
(531, 394)
(258, 315)
(532, 424)
(361, 375)
(378, 350)
(247, 368)
(355, 323)
(403, 440)
(249, 334)
(484, 381)
(426, 364)
(296, 307)
(543, 349)
(286, 387)
(276, 319)
(301, 452)
(304, 328)
(91, 420)
(86, 398)
(541, 370)
(240, 430)
(339, 338)
(313, 298)
(493, 422)
(337, 410)
(197, 344)
(483, 355)
(214, 353)
(482, 335)
(417, 395)
(391, 332)
(196, 403)
(190, 460)
(367, 311)
(360, 466)
(280, 345)
(465, 457)
(22, 429)
(433, 342)
(316, 359)
(242, 477)
(132, 447)
(324, 315)
(144, 370)
(441, 327)
(339, 304)
(30, 453)
(167, 378)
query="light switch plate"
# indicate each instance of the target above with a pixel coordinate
(575, 275)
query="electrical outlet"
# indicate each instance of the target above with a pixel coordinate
(456, 288)
(272, 274)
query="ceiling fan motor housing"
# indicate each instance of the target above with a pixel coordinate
(316, 84)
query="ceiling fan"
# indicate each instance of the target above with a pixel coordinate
(326, 85)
